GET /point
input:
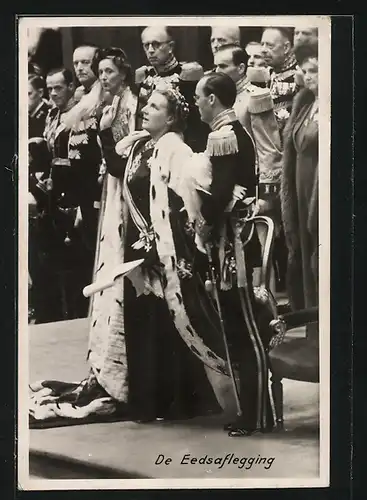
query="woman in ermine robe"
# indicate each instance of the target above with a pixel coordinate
(153, 332)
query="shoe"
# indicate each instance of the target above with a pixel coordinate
(90, 392)
(228, 427)
(239, 432)
(144, 420)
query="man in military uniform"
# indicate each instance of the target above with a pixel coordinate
(233, 160)
(254, 51)
(37, 167)
(284, 84)
(254, 110)
(38, 109)
(37, 106)
(158, 45)
(85, 153)
(277, 52)
(63, 252)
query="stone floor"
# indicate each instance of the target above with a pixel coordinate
(129, 450)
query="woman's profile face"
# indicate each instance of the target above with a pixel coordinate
(310, 69)
(110, 76)
(156, 118)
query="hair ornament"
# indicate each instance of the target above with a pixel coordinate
(171, 87)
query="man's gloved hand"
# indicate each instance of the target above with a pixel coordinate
(239, 192)
(109, 114)
(203, 230)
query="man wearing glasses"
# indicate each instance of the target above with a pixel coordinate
(158, 45)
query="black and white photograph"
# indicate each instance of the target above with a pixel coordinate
(174, 254)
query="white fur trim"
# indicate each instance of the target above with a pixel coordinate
(163, 167)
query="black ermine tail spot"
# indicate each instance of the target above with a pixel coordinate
(190, 330)
(173, 262)
(119, 302)
(102, 238)
(120, 230)
(194, 350)
(157, 237)
(100, 267)
(109, 319)
(101, 293)
(153, 192)
(169, 177)
(94, 323)
(163, 214)
(179, 298)
(164, 281)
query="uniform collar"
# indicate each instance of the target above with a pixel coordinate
(289, 63)
(56, 111)
(168, 68)
(242, 84)
(223, 118)
(35, 111)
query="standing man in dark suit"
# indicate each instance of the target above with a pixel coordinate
(223, 227)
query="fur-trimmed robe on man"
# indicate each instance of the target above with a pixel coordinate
(299, 202)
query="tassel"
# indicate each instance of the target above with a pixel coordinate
(67, 239)
(260, 101)
(222, 142)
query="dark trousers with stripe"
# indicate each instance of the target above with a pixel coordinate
(247, 345)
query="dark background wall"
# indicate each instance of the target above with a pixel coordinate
(192, 43)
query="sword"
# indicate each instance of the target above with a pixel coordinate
(214, 290)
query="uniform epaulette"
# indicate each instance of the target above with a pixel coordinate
(258, 75)
(141, 73)
(191, 71)
(260, 100)
(222, 142)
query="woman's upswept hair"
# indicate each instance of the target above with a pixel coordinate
(177, 107)
(119, 59)
(304, 53)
